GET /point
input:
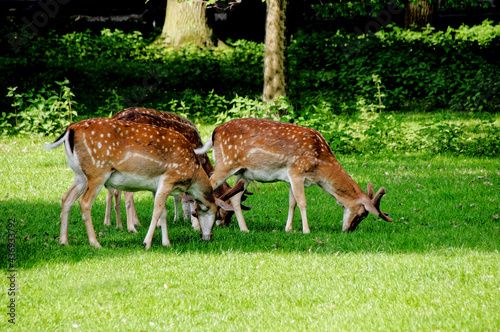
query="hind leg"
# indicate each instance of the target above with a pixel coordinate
(67, 202)
(94, 185)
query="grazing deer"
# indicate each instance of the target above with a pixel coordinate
(189, 131)
(132, 218)
(132, 157)
(270, 151)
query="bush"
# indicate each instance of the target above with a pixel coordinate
(454, 69)
(356, 90)
(43, 112)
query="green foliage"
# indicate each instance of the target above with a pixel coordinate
(426, 70)
(357, 90)
(327, 9)
(43, 112)
(110, 45)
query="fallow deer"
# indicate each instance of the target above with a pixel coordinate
(270, 151)
(132, 218)
(132, 157)
(189, 131)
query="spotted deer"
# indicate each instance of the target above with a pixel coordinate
(189, 131)
(162, 119)
(270, 151)
(133, 157)
(132, 218)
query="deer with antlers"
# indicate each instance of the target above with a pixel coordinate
(189, 131)
(133, 157)
(269, 151)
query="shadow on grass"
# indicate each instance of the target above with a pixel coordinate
(37, 225)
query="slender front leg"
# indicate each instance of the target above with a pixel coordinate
(176, 207)
(297, 186)
(236, 203)
(292, 203)
(132, 218)
(109, 201)
(118, 200)
(164, 233)
(186, 209)
(159, 209)
(195, 222)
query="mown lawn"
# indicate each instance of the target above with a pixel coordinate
(436, 267)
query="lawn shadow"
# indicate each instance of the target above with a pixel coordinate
(37, 229)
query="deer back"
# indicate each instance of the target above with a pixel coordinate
(267, 144)
(106, 145)
(149, 117)
(161, 114)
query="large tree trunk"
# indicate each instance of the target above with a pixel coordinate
(419, 13)
(275, 73)
(186, 22)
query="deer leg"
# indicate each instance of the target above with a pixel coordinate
(109, 201)
(236, 203)
(291, 210)
(158, 223)
(159, 209)
(176, 207)
(67, 201)
(195, 222)
(186, 209)
(221, 174)
(93, 187)
(131, 211)
(164, 234)
(118, 200)
(297, 187)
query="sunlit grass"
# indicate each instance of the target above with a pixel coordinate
(436, 267)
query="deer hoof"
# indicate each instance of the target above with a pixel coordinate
(95, 245)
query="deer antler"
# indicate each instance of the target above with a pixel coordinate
(369, 190)
(376, 201)
(239, 186)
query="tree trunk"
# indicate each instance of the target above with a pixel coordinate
(186, 22)
(419, 13)
(275, 73)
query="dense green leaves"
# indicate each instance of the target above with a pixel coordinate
(357, 90)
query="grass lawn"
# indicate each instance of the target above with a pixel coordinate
(435, 267)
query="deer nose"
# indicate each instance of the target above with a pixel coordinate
(206, 237)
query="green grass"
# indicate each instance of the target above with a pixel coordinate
(435, 267)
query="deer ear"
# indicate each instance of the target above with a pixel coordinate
(223, 205)
(370, 207)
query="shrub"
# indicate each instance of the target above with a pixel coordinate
(39, 112)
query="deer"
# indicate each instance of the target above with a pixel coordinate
(189, 131)
(268, 151)
(133, 157)
(132, 218)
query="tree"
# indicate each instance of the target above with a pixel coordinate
(186, 22)
(275, 69)
(419, 13)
